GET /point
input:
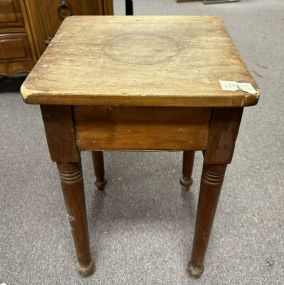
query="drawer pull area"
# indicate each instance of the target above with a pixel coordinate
(64, 9)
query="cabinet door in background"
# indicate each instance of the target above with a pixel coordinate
(53, 12)
(47, 15)
(10, 14)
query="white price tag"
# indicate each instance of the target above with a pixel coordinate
(234, 86)
(247, 87)
(229, 85)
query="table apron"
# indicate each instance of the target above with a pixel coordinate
(141, 128)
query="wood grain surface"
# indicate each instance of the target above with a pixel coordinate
(141, 128)
(60, 133)
(140, 60)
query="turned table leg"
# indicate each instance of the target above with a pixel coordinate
(73, 191)
(98, 162)
(210, 187)
(187, 166)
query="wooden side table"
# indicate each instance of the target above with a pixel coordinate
(140, 83)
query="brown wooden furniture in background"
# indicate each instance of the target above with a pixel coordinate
(27, 26)
(133, 89)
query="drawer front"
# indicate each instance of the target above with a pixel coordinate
(14, 47)
(141, 128)
(10, 14)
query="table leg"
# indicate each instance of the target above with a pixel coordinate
(98, 162)
(129, 7)
(187, 166)
(73, 191)
(210, 187)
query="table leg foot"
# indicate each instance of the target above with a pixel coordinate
(100, 184)
(86, 270)
(185, 182)
(195, 271)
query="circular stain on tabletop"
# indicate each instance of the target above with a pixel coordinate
(141, 49)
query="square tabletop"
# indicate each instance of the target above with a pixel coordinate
(139, 60)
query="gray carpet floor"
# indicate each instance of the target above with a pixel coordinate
(141, 229)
